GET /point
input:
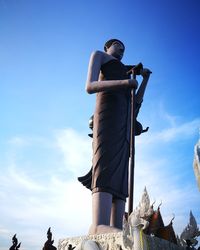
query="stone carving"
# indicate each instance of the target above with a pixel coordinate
(153, 219)
(190, 233)
(144, 207)
(110, 241)
(196, 162)
(15, 245)
(88, 245)
(155, 222)
(49, 243)
(127, 235)
(145, 219)
(138, 221)
(131, 238)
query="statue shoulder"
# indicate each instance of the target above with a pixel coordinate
(101, 56)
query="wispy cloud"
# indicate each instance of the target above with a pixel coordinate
(180, 131)
(76, 149)
(31, 205)
(170, 120)
(22, 180)
(18, 141)
(3, 230)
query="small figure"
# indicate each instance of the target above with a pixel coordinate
(15, 245)
(70, 247)
(49, 243)
(110, 79)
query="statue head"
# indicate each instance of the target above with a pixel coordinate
(115, 48)
(136, 221)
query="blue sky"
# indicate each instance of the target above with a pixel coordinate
(45, 48)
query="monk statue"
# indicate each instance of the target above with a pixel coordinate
(110, 79)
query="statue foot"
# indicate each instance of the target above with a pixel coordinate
(103, 229)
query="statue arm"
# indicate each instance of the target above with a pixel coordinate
(141, 90)
(94, 85)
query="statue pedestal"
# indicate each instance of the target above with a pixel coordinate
(104, 241)
(116, 241)
(132, 237)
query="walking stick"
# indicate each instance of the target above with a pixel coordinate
(135, 71)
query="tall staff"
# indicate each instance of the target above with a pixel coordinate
(135, 71)
(132, 154)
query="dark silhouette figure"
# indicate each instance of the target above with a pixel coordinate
(15, 245)
(189, 244)
(49, 243)
(70, 247)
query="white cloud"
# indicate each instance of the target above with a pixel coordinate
(18, 141)
(4, 230)
(178, 132)
(31, 205)
(164, 115)
(184, 130)
(29, 214)
(76, 150)
(19, 178)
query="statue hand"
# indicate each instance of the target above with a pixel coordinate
(145, 73)
(133, 83)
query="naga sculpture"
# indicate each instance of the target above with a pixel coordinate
(190, 233)
(132, 237)
(49, 243)
(15, 245)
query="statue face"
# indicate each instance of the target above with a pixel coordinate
(116, 50)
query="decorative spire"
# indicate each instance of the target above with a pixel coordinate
(15, 245)
(145, 208)
(191, 231)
